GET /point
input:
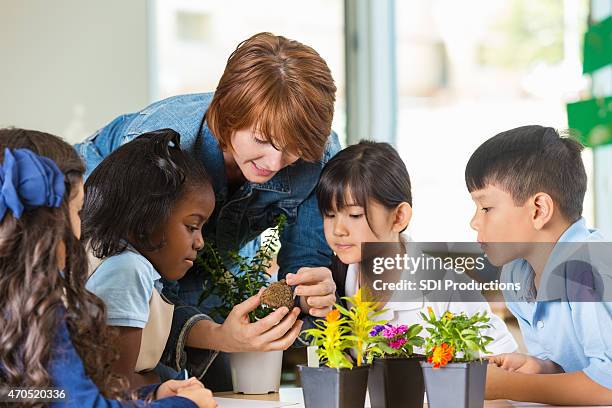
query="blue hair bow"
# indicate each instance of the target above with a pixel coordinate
(29, 181)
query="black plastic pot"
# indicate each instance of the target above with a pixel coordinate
(325, 387)
(396, 383)
(460, 385)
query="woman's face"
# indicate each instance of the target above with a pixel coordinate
(257, 158)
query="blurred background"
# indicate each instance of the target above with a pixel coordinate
(434, 77)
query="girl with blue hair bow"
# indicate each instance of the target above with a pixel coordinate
(54, 332)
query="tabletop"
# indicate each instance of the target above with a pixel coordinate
(292, 398)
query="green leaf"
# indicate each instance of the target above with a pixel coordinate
(387, 349)
(416, 341)
(414, 330)
(342, 310)
(471, 345)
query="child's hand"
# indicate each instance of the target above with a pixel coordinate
(201, 396)
(171, 387)
(316, 288)
(277, 331)
(497, 380)
(523, 363)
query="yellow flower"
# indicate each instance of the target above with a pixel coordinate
(448, 315)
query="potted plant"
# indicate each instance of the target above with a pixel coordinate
(252, 372)
(396, 378)
(342, 381)
(454, 372)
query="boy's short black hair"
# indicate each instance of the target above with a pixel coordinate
(528, 160)
(132, 192)
(367, 170)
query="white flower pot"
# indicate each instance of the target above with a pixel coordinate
(256, 372)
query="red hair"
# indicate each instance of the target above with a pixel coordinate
(282, 88)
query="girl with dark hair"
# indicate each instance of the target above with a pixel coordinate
(54, 332)
(145, 206)
(364, 196)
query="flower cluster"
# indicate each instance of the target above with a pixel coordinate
(452, 337)
(227, 278)
(441, 355)
(332, 338)
(455, 337)
(392, 333)
(394, 340)
(360, 314)
(346, 329)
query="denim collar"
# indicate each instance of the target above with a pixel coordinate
(279, 183)
(213, 157)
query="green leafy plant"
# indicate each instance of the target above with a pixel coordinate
(455, 337)
(234, 288)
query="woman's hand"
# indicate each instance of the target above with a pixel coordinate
(316, 288)
(277, 331)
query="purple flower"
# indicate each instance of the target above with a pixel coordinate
(397, 344)
(377, 329)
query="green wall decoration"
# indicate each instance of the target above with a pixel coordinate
(598, 46)
(592, 121)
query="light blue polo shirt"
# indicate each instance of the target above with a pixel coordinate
(125, 282)
(575, 335)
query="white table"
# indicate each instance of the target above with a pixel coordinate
(292, 398)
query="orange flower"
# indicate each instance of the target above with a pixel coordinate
(333, 316)
(441, 355)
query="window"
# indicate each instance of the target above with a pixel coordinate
(193, 39)
(467, 71)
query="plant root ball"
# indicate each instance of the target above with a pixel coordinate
(278, 294)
